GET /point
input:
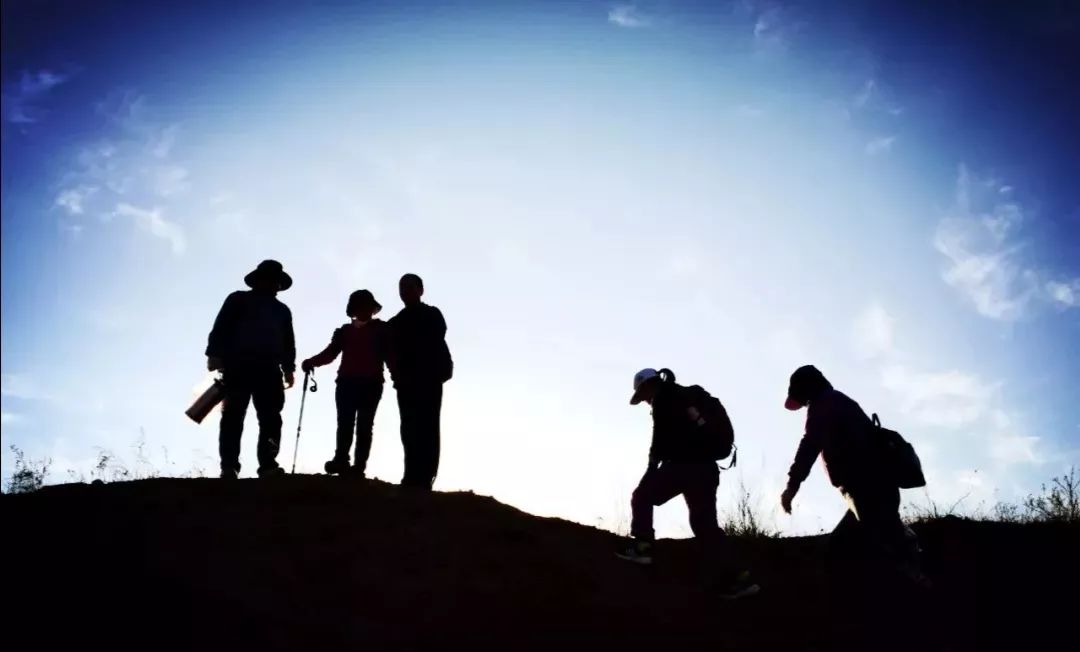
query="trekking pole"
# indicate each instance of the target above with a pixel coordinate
(300, 421)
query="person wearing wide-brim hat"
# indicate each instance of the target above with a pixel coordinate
(363, 346)
(253, 345)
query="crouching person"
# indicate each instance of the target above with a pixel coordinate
(362, 345)
(691, 431)
(843, 435)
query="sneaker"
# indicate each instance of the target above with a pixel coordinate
(271, 472)
(229, 474)
(638, 552)
(336, 467)
(743, 586)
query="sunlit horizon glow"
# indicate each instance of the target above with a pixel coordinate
(730, 190)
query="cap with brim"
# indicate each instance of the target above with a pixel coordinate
(792, 404)
(640, 378)
(270, 269)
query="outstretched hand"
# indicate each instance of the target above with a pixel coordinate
(785, 500)
(290, 379)
(307, 366)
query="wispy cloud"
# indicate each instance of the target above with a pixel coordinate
(946, 399)
(153, 222)
(73, 199)
(11, 418)
(880, 145)
(629, 16)
(21, 386)
(872, 335)
(775, 26)
(21, 98)
(988, 262)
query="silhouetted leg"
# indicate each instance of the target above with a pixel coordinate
(702, 481)
(408, 410)
(345, 398)
(269, 398)
(656, 488)
(233, 410)
(368, 403)
(432, 432)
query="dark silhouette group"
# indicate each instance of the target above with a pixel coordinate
(252, 344)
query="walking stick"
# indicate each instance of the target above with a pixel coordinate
(300, 421)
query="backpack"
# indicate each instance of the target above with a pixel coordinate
(899, 457)
(714, 424)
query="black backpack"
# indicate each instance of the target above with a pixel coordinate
(714, 424)
(899, 457)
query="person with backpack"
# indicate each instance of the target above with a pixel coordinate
(363, 344)
(253, 345)
(420, 364)
(856, 456)
(691, 432)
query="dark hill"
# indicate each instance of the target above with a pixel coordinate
(310, 562)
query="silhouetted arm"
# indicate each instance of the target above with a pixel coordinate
(288, 362)
(439, 324)
(330, 353)
(220, 335)
(809, 449)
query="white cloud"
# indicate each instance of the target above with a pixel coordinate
(987, 263)
(73, 199)
(170, 180)
(774, 27)
(872, 335)
(152, 222)
(629, 16)
(10, 418)
(880, 145)
(862, 98)
(949, 399)
(21, 386)
(1065, 295)
(20, 98)
(1009, 449)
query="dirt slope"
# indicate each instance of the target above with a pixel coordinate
(311, 562)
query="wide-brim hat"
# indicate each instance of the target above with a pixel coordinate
(364, 298)
(269, 269)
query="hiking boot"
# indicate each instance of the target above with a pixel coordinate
(357, 472)
(336, 466)
(229, 474)
(743, 586)
(638, 552)
(271, 472)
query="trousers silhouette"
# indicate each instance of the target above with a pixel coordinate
(244, 384)
(420, 406)
(357, 401)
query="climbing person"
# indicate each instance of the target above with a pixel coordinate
(253, 346)
(852, 450)
(362, 344)
(420, 364)
(691, 433)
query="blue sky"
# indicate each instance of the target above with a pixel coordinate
(727, 189)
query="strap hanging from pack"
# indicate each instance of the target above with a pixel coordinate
(734, 459)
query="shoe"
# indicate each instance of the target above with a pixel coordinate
(637, 552)
(336, 467)
(271, 472)
(229, 474)
(743, 586)
(357, 472)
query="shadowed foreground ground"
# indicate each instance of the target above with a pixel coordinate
(309, 562)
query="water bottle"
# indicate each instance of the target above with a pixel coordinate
(207, 401)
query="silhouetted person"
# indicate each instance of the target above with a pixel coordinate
(362, 345)
(682, 462)
(252, 343)
(420, 363)
(839, 431)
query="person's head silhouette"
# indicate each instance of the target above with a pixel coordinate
(411, 289)
(268, 278)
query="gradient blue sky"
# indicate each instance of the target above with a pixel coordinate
(727, 189)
